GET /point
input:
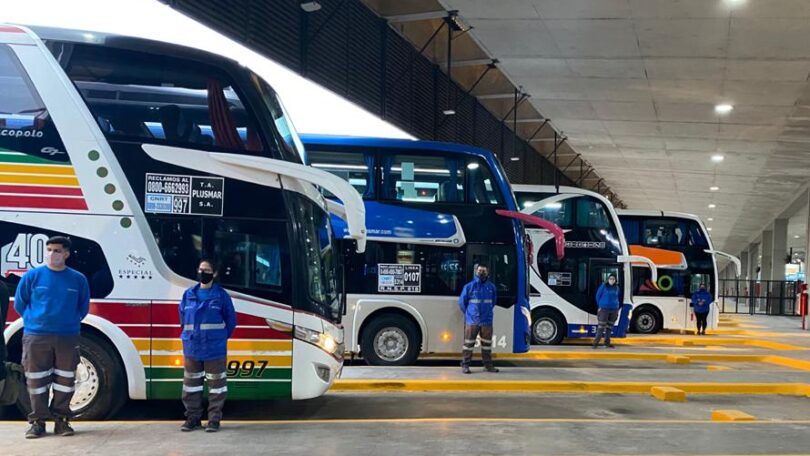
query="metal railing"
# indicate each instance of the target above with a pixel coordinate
(763, 297)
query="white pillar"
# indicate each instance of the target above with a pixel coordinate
(779, 251)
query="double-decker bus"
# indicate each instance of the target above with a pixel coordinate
(432, 214)
(563, 289)
(150, 156)
(663, 303)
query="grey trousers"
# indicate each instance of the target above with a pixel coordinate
(470, 334)
(50, 364)
(606, 319)
(214, 372)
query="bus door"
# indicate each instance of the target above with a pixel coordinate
(502, 262)
(599, 271)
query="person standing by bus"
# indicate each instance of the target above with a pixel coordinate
(701, 305)
(52, 300)
(607, 299)
(4, 298)
(477, 302)
(208, 319)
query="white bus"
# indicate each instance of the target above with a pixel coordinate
(663, 303)
(563, 290)
(81, 155)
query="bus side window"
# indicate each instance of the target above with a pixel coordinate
(356, 169)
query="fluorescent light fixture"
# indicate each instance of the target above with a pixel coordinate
(553, 206)
(709, 228)
(718, 158)
(449, 112)
(473, 166)
(710, 219)
(714, 188)
(712, 206)
(514, 159)
(310, 7)
(795, 236)
(723, 108)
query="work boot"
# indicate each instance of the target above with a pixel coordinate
(492, 369)
(213, 426)
(36, 430)
(62, 427)
(609, 345)
(466, 369)
(191, 424)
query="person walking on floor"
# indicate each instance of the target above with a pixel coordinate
(477, 302)
(208, 319)
(52, 300)
(607, 299)
(701, 305)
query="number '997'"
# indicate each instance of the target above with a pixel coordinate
(246, 369)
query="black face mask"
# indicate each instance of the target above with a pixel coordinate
(483, 277)
(205, 277)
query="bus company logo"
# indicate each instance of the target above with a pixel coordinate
(138, 269)
(584, 245)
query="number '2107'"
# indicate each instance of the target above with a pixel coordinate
(246, 369)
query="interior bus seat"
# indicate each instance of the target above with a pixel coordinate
(179, 127)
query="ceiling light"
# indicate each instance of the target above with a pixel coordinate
(710, 219)
(795, 236)
(310, 7)
(514, 159)
(718, 158)
(709, 228)
(714, 188)
(472, 166)
(449, 112)
(723, 108)
(712, 206)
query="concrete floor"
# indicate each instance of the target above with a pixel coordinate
(485, 423)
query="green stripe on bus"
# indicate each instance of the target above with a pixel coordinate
(12, 156)
(236, 390)
(177, 373)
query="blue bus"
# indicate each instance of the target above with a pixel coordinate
(432, 215)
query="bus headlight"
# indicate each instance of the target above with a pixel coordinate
(321, 340)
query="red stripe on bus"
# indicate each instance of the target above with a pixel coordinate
(39, 202)
(167, 314)
(8, 29)
(165, 332)
(41, 190)
(121, 313)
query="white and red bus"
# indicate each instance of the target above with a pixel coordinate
(150, 156)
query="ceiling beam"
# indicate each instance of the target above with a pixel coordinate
(428, 15)
(495, 96)
(468, 62)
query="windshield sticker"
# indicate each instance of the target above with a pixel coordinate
(559, 279)
(584, 245)
(188, 195)
(399, 278)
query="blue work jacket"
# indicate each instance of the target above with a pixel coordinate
(477, 301)
(701, 301)
(607, 297)
(207, 323)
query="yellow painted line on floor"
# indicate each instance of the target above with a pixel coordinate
(716, 368)
(678, 359)
(731, 415)
(709, 340)
(547, 386)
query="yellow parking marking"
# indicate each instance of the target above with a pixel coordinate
(668, 393)
(731, 415)
(677, 359)
(530, 386)
(705, 340)
(717, 368)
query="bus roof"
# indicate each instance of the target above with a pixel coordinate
(653, 213)
(525, 188)
(393, 143)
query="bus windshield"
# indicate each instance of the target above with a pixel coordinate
(320, 258)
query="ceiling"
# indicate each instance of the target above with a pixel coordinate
(633, 84)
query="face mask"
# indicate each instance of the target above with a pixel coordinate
(483, 276)
(205, 277)
(611, 282)
(55, 259)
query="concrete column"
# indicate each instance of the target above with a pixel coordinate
(744, 265)
(766, 250)
(753, 261)
(779, 250)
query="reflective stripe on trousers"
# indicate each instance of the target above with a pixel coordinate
(195, 374)
(471, 332)
(50, 364)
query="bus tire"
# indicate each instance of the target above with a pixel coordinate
(548, 327)
(100, 382)
(647, 320)
(390, 340)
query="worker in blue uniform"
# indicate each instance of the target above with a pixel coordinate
(701, 305)
(477, 302)
(607, 300)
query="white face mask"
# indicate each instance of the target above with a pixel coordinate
(611, 281)
(55, 259)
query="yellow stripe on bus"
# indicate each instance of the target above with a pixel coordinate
(42, 180)
(233, 345)
(38, 169)
(177, 361)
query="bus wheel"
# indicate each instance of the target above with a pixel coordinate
(548, 327)
(390, 340)
(646, 321)
(100, 383)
